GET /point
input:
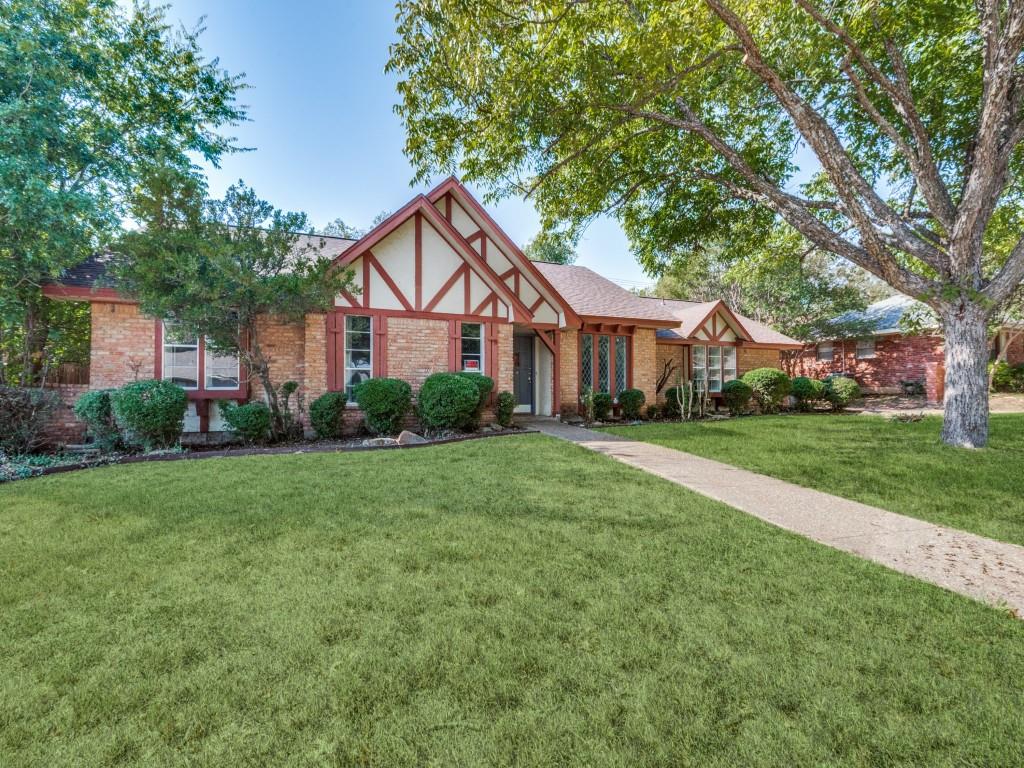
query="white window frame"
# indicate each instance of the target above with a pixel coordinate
(164, 344)
(207, 354)
(483, 346)
(346, 368)
(701, 354)
(866, 354)
(818, 352)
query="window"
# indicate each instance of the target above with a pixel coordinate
(586, 362)
(865, 349)
(620, 364)
(358, 351)
(713, 366)
(603, 366)
(221, 369)
(180, 357)
(825, 352)
(472, 357)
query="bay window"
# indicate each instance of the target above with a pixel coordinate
(586, 362)
(471, 355)
(604, 363)
(713, 366)
(620, 364)
(358, 351)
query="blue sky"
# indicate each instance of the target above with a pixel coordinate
(325, 138)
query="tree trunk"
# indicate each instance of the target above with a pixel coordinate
(966, 399)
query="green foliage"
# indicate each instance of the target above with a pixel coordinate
(770, 386)
(23, 416)
(840, 391)
(631, 401)
(95, 95)
(326, 414)
(654, 411)
(677, 400)
(95, 409)
(736, 394)
(384, 403)
(504, 408)
(61, 333)
(448, 401)
(553, 247)
(807, 391)
(1006, 377)
(250, 422)
(484, 385)
(587, 405)
(152, 412)
(602, 406)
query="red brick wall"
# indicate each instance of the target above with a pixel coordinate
(503, 382)
(897, 358)
(748, 359)
(645, 366)
(123, 345)
(676, 354)
(569, 374)
(1015, 348)
(63, 427)
(416, 349)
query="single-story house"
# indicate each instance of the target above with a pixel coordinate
(442, 288)
(885, 358)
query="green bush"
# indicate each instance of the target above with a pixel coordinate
(672, 409)
(447, 401)
(505, 407)
(326, 414)
(384, 403)
(653, 411)
(1006, 377)
(807, 391)
(484, 386)
(736, 394)
(770, 387)
(250, 422)
(23, 417)
(631, 400)
(95, 409)
(840, 391)
(602, 405)
(152, 412)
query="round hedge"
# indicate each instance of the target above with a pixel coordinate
(95, 409)
(840, 391)
(326, 414)
(250, 422)
(384, 403)
(447, 401)
(505, 407)
(807, 391)
(602, 404)
(152, 411)
(631, 401)
(736, 394)
(770, 387)
(484, 385)
(672, 409)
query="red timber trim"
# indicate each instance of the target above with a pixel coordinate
(611, 332)
(59, 292)
(336, 343)
(350, 298)
(448, 208)
(454, 339)
(693, 341)
(333, 377)
(721, 306)
(461, 272)
(556, 377)
(370, 259)
(419, 262)
(492, 299)
(448, 188)
(644, 322)
(366, 283)
(491, 359)
(380, 346)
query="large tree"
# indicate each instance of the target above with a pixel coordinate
(92, 97)
(553, 247)
(686, 118)
(223, 268)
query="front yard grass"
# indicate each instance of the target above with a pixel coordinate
(900, 466)
(512, 601)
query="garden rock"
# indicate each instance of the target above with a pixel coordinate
(378, 442)
(410, 438)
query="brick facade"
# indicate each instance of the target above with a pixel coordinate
(897, 358)
(315, 358)
(645, 355)
(503, 382)
(123, 345)
(416, 349)
(568, 373)
(664, 354)
(749, 359)
(62, 426)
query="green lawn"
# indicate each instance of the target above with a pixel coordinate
(903, 467)
(511, 601)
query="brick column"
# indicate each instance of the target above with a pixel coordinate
(645, 376)
(568, 373)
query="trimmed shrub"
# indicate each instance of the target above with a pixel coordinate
(653, 411)
(23, 417)
(484, 386)
(96, 410)
(326, 414)
(602, 405)
(736, 394)
(770, 387)
(673, 396)
(152, 412)
(841, 391)
(631, 400)
(384, 403)
(505, 407)
(447, 401)
(250, 422)
(1006, 377)
(807, 391)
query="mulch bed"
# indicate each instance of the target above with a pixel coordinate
(335, 446)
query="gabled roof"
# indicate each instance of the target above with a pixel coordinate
(691, 315)
(883, 317)
(594, 297)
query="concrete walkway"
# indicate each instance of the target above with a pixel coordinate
(972, 565)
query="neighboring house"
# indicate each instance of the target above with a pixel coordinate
(442, 288)
(886, 358)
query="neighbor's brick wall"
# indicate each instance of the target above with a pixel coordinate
(749, 359)
(62, 426)
(897, 358)
(645, 355)
(1015, 350)
(123, 345)
(663, 354)
(416, 349)
(568, 373)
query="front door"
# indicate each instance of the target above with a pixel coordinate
(522, 372)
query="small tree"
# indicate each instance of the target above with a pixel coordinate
(221, 268)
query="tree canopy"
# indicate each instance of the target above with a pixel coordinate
(555, 247)
(684, 120)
